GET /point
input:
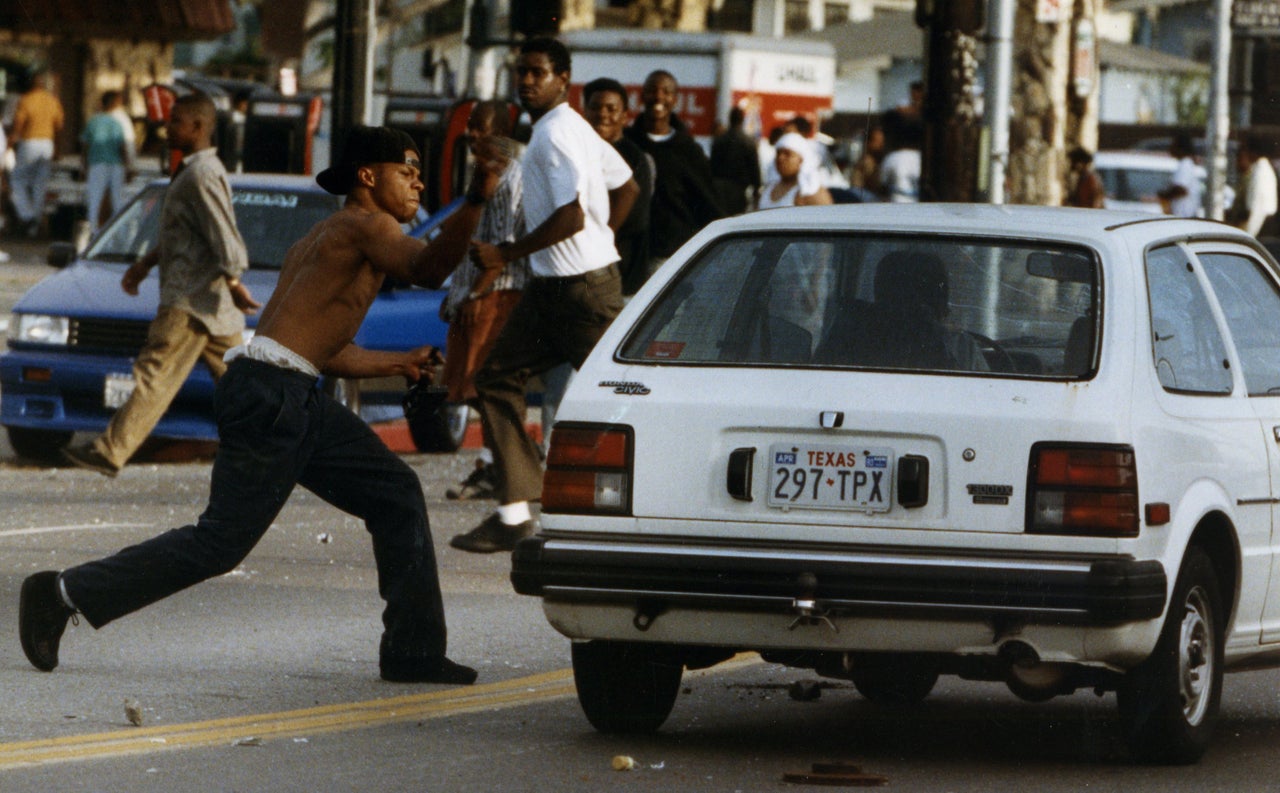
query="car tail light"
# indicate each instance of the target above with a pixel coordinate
(588, 470)
(1082, 489)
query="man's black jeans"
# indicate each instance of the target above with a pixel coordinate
(277, 429)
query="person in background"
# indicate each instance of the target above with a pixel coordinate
(37, 120)
(735, 166)
(1085, 186)
(202, 300)
(684, 195)
(605, 106)
(130, 138)
(913, 109)
(577, 189)
(1255, 204)
(479, 301)
(793, 152)
(900, 169)
(1184, 193)
(106, 160)
(239, 117)
(4, 174)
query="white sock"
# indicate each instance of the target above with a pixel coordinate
(514, 514)
(62, 593)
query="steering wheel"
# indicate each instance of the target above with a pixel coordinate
(1006, 362)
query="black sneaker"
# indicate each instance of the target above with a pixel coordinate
(493, 535)
(88, 458)
(480, 483)
(423, 670)
(42, 617)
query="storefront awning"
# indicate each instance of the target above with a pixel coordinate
(166, 20)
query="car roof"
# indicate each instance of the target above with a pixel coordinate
(267, 181)
(1034, 222)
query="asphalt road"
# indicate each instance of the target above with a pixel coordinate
(266, 679)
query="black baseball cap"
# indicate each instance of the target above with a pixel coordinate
(364, 146)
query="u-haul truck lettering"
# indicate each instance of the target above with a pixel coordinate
(798, 73)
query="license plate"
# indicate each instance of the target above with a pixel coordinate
(116, 389)
(819, 476)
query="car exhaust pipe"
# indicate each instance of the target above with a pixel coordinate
(1031, 679)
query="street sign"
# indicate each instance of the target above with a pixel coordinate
(1256, 17)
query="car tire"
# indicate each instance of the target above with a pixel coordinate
(1169, 703)
(625, 687)
(345, 391)
(39, 445)
(894, 678)
(440, 430)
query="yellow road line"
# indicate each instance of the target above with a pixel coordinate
(308, 721)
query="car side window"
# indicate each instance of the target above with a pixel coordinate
(1251, 303)
(1187, 348)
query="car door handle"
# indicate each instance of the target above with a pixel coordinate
(738, 475)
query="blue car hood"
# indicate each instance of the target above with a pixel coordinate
(92, 289)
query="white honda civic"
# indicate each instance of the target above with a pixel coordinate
(886, 442)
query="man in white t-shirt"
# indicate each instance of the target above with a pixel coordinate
(1184, 192)
(577, 191)
(1256, 200)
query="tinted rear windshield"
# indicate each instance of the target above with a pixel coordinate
(896, 303)
(269, 221)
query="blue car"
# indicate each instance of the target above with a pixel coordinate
(73, 336)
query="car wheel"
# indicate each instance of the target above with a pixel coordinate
(440, 430)
(346, 392)
(894, 678)
(625, 687)
(41, 445)
(1169, 702)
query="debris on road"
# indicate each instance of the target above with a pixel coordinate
(622, 762)
(133, 711)
(835, 774)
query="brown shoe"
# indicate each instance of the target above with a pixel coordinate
(42, 617)
(88, 458)
(493, 535)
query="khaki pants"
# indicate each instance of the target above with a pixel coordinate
(557, 321)
(175, 341)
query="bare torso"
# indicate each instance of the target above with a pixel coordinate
(326, 286)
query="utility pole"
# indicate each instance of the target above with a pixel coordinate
(995, 113)
(1219, 120)
(355, 34)
(949, 160)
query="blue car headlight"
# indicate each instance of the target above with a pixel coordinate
(40, 329)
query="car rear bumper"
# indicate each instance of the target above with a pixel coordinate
(653, 577)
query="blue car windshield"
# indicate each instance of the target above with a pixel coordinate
(270, 220)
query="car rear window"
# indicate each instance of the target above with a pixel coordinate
(880, 302)
(270, 220)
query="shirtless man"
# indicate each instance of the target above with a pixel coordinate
(278, 429)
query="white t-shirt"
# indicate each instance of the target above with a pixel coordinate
(1260, 195)
(900, 174)
(1185, 176)
(565, 160)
